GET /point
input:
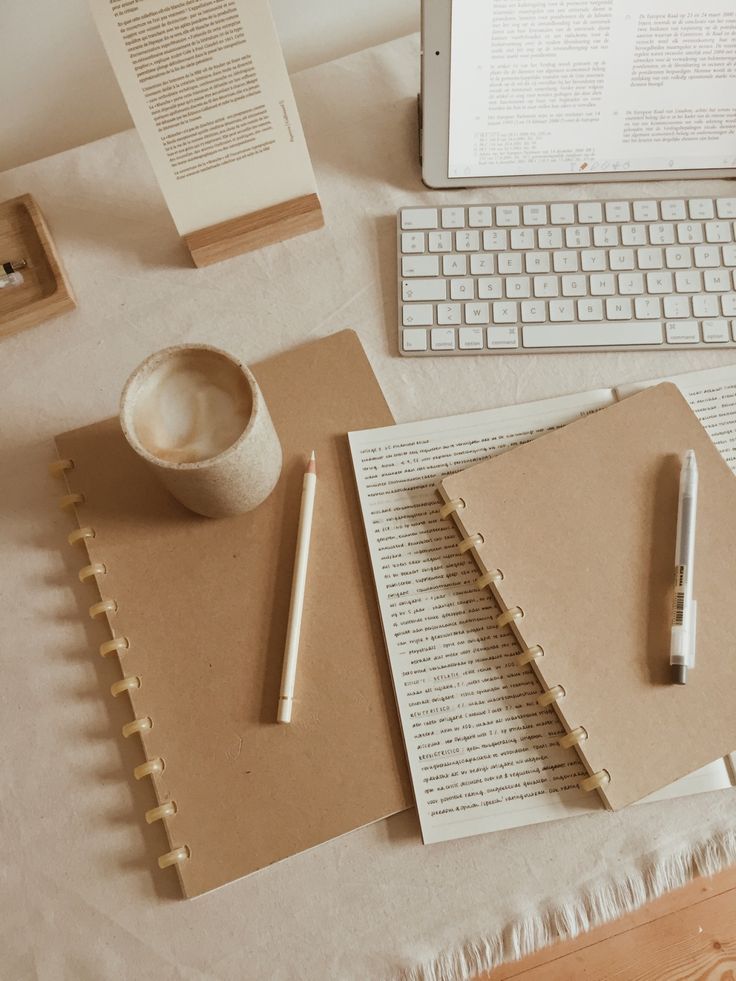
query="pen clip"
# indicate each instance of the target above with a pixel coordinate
(693, 633)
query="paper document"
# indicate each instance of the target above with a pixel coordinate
(483, 755)
(207, 87)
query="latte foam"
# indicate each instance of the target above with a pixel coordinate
(192, 408)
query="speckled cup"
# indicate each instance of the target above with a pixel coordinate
(235, 480)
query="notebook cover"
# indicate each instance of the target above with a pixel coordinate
(581, 522)
(204, 603)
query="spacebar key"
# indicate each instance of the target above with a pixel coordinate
(592, 335)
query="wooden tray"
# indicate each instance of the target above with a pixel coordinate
(45, 291)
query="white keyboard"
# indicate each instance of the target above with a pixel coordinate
(579, 276)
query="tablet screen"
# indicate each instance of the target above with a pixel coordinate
(591, 86)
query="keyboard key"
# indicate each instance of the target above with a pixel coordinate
(453, 217)
(726, 207)
(577, 237)
(508, 214)
(630, 284)
(591, 335)
(518, 286)
(509, 263)
(676, 307)
(424, 289)
(718, 231)
(537, 262)
(481, 265)
(715, 331)
(682, 331)
(504, 312)
(661, 234)
(563, 214)
(546, 286)
(440, 241)
(448, 314)
(412, 242)
(477, 313)
(659, 282)
(673, 210)
(689, 231)
(533, 311)
(593, 260)
(462, 289)
(716, 280)
(502, 337)
(707, 256)
(618, 211)
(414, 340)
(419, 218)
(646, 211)
(605, 235)
(535, 214)
(649, 258)
(621, 258)
(479, 217)
(549, 238)
(470, 338)
(522, 238)
(602, 284)
(701, 208)
(468, 241)
(590, 212)
(728, 254)
(590, 310)
(706, 305)
(634, 235)
(688, 281)
(678, 257)
(418, 315)
(574, 286)
(495, 240)
(566, 261)
(728, 305)
(420, 265)
(454, 265)
(490, 288)
(562, 311)
(619, 309)
(443, 339)
(647, 308)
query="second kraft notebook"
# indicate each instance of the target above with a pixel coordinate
(575, 533)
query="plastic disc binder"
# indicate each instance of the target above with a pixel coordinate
(197, 611)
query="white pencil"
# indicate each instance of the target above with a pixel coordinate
(296, 606)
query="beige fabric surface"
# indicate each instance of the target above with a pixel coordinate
(79, 894)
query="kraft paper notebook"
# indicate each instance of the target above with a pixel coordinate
(203, 605)
(581, 524)
(484, 755)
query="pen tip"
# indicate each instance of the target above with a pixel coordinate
(312, 465)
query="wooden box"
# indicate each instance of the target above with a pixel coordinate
(45, 291)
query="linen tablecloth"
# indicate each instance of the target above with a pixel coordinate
(80, 895)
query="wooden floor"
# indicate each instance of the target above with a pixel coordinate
(687, 935)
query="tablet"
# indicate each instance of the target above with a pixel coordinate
(559, 91)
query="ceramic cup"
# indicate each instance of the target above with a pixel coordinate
(196, 415)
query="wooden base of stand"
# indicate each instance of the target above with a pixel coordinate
(253, 231)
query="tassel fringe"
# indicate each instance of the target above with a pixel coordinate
(594, 906)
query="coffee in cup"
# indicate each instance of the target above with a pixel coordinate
(198, 418)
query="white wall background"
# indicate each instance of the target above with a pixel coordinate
(59, 90)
